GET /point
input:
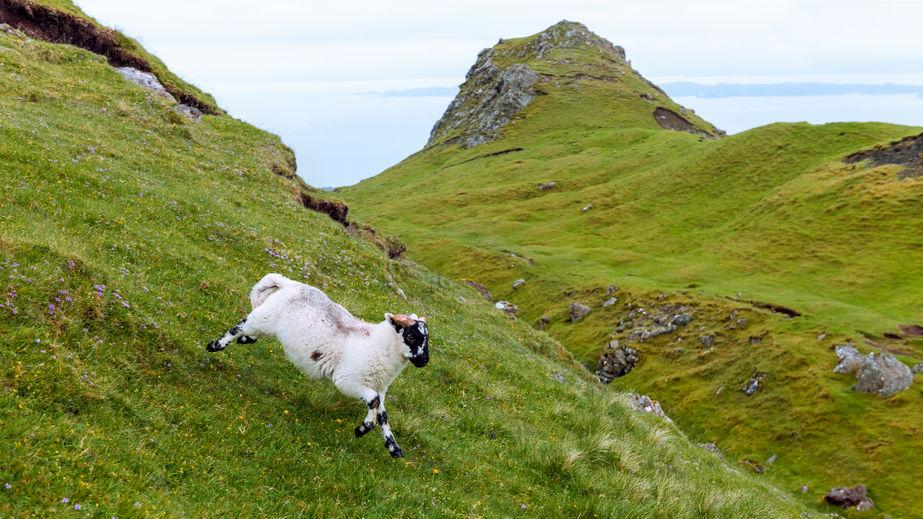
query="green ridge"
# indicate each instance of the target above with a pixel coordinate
(770, 215)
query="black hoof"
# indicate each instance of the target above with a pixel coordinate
(393, 448)
(363, 429)
(214, 346)
(246, 339)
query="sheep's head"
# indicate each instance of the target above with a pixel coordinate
(415, 336)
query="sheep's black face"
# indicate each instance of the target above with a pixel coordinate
(416, 337)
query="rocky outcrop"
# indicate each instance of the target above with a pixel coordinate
(879, 373)
(616, 361)
(500, 84)
(488, 99)
(508, 77)
(145, 80)
(848, 497)
(150, 82)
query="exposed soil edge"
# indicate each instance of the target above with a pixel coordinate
(670, 120)
(779, 309)
(54, 26)
(907, 152)
(337, 211)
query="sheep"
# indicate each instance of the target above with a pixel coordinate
(324, 340)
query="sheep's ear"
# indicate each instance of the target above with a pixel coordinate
(404, 321)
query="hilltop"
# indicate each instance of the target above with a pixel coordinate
(131, 230)
(715, 273)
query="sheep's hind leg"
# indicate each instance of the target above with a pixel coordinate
(238, 331)
(390, 442)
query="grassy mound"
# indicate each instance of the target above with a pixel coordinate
(740, 231)
(129, 237)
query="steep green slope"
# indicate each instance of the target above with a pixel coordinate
(129, 236)
(726, 228)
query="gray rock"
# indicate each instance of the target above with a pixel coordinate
(611, 289)
(754, 384)
(542, 322)
(518, 283)
(507, 307)
(145, 80)
(849, 359)
(558, 376)
(545, 186)
(865, 504)
(682, 319)
(12, 31)
(587, 207)
(847, 497)
(643, 334)
(644, 404)
(616, 361)
(189, 111)
(578, 311)
(918, 368)
(707, 340)
(611, 301)
(879, 373)
(711, 447)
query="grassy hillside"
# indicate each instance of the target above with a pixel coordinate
(724, 227)
(129, 237)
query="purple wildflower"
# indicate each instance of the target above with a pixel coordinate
(125, 304)
(77, 506)
(51, 309)
(7, 486)
(65, 500)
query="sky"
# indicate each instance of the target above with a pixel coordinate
(329, 77)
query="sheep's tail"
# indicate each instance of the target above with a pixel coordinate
(267, 287)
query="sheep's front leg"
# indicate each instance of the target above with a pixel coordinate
(376, 404)
(240, 331)
(373, 401)
(390, 442)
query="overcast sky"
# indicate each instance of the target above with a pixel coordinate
(310, 70)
